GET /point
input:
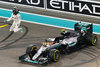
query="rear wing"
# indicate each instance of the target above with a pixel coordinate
(83, 26)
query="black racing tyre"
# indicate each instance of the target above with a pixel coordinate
(54, 55)
(94, 40)
(31, 50)
(68, 49)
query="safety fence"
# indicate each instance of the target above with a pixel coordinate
(82, 7)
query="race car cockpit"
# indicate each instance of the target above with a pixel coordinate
(66, 34)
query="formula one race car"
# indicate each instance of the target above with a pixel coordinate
(53, 47)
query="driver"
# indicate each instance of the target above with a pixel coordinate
(65, 34)
(16, 20)
(68, 38)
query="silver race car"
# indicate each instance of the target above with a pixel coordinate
(53, 47)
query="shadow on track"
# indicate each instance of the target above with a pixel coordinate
(9, 44)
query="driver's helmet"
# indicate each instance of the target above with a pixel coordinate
(15, 11)
(63, 32)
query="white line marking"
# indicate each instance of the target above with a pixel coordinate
(48, 25)
(51, 17)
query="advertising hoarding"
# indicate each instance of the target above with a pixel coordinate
(82, 7)
(37, 3)
(87, 7)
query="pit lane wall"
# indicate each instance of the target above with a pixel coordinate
(81, 7)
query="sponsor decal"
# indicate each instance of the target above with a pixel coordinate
(82, 7)
(75, 6)
(38, 3)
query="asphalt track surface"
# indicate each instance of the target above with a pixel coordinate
(13, 45)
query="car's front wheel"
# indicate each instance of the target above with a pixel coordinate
(94, 40)
(31, 50)
(54, 55)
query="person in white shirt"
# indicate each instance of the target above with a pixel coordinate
(16, 20)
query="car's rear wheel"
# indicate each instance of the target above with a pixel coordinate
(54, 55)
(94, 40)
(31, 50)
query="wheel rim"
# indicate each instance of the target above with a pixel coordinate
(33, 48)
(56, 55)
(94, 40)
